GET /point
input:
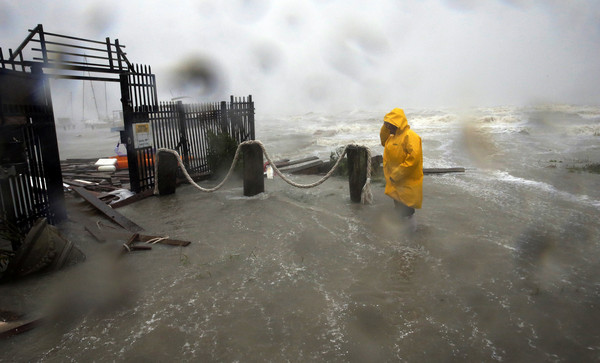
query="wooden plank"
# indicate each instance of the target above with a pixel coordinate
(76, 183)
(101, 235)
(134, 198)
(79, 161)
(89, 226)
(140, 248)
(280, 162)
(95, 232)
(10, 328)
(443, 170)
(165, 241)
(108, 211)
(130, 241)
(121, 234)
(115, 181)
(122, 174)
(95, 176)
(294, 162)
(303, 167)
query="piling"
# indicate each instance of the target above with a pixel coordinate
(166, 177)
(254, 182)
(357, 171)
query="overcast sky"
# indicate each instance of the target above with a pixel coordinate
(302, 55)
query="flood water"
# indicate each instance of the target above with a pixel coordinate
(503, 265)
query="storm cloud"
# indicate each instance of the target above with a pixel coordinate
(297, 56)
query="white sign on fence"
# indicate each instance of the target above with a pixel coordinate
(142, 135)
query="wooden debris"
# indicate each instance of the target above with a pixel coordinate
(130, 241)
(443, 170)
(140, 248)
(84, 173)
(13, 324)
(357, 171)
(77, 183)
(149, 238)
(89, 226)
(307, 168)
(312, 165)
(307, 165)
(134, 198)
(86, 176)
(115, 181)
(108, 211)
(284, 164)
(121, 234)
(280, 162)
(99, 236)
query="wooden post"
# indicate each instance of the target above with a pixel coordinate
(254, 182)
(166, 176)
(357, 171)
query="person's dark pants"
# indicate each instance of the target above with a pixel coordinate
(403, 210)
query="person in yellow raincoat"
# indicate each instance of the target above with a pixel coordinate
(402, 163)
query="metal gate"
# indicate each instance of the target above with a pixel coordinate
(30, 174)
(175, 125)
(138, 97)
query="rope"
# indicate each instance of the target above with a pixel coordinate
(156, 240)
(366, 195)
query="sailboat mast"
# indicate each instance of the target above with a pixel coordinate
(83, 101)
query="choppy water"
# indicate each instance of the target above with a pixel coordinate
(503, 266)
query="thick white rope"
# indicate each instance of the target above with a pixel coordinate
(366, 195)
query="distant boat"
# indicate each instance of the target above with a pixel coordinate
(96, 123)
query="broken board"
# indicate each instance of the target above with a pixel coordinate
(13, 324)
(108, 211)
(443, 170)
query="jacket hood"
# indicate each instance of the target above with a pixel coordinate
(397, 118)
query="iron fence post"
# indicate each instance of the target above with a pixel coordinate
(127, 133)
(224, 117)
(251, 117)
(183, 141)
(46, 131)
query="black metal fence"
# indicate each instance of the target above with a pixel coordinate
(186, 128)
(33, 187)
(30, 174)
(65, 57)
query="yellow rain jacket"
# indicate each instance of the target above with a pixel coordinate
(402, 160)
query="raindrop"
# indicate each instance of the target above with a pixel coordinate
(197, 76)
